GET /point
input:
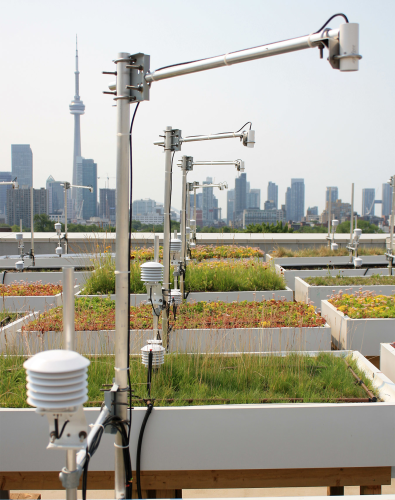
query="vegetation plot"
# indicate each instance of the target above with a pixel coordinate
(214, 276)
(30, 289)
(202, 252)
(92, 314)
(323, 251)
(202, 379)
(364, 305)
(376, 279)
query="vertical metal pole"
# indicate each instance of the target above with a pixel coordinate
(166, 230)
(194, 214)
(392, 217)
(183, 226)
(65, 220)
(69, 344)
(68, 308)
(352, 211)
(156, 248)
(329, 213)
(122, 264)
(32, 220)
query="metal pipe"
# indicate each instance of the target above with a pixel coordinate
(194, 214)
(32, 220)
(273, 49)
(65, 220)
(392, 223)
(156, 248)
(183, 227)
(329, 214)
(71, 465)
(166, 230)
(199, 138)
(68, 308)
(122, 262)
(81, 455)
(215, 162)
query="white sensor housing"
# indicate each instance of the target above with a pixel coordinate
(19, 265)
(334, 246)
(335, 223)
(357, 262)
(58, 227)
(158, 353)
(357, 233)
(249, 138)
(349, 47)
(19, 236)
(175, 245)
(151, 272)
(175, 296)
(59, 251)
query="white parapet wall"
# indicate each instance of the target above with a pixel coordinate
(314, 294)
(364, 335)
(198, 341)
(387, 360)
(227, 437)
(335, 260)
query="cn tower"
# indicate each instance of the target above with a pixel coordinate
(77, 108)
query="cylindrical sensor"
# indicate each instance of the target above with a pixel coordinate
(349, 46)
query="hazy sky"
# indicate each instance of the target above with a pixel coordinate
(311, 121)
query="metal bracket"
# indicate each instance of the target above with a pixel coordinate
(176, 139)
(187, 163)
(110, 401)
(70, 479)
(139, 66)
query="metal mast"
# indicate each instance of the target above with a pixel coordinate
(77, 108)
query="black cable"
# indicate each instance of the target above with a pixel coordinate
(330, 19)
(4, 273)
(140, 441)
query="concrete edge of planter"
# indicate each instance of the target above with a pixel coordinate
(387, 360)
(380, 380)
(32, 302)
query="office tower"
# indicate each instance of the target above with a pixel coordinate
(86, 202)
(22, 164)
(368, 196)
(254, 198)
(240, 197)
(386, 198)
(334, 195)
(18, 205)
(107, 205)
(208, 202)
(269, 205)
(144, 207)
(296, 202)
(77, 108)
(230, 206)
(272, 193)
(4, 177)
(312, 211)
(55, 196)
(288, 203)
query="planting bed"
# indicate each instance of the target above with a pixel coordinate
(323, 251)
(227, 446)
(361, 321)
(43, 275)
(314, 289)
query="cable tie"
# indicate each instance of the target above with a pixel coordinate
(225, 61)
(121, 369)
(93, 425)
(118, 446)
(309, 41)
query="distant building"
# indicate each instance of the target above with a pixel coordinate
(55, 196)
(269, 205)
(253, 198)
(209, 204)
(4, 177)
(144, 207)
(107, 205)
(297, 199)
(22, 164)
(272, 193)
(255, 216)
(86, 176)
(368, 196)
(230, 206)
(334, 195)
(18, 205)
(339, 210)
(386, 199)
(240, 199)
(312, 211)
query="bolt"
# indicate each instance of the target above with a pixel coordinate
(82, 435)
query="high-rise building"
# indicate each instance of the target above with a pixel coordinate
(77, 108)
(253, 198)
(18, 205)
(55, 196)
(312, 211)
(143, 207)
(22, 164)
(295, 200)
(240, 198)
(288, 203)
(107, 204)
(334, 195)
(208, 202)
(86, 202)
(368, 196)
(230, 206)
(272, 193)
(4, 177)
(386, 198)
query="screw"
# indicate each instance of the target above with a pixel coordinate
(82, 435)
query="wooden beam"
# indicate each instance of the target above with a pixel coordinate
(208, 479)
(370, 490)
(335, 491)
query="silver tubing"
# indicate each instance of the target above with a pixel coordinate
(329, 214)
(166, 230)
(32, 219)
(65, 220)
(71, 465)
(68, 308)
(215, 163)
(194, 214)
(351, 219)
(183, 226)
(392, 223)
(273, 49)
(122, 263)
(156, 248)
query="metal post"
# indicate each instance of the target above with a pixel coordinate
(166, 230)
(392, 217)
(31, 220)
(65, 220)
(156, 248)
(122, 263)
(194, 214)
(71, 465)
(183, 227)
(68, 308)
(351, 219)
(329, 214)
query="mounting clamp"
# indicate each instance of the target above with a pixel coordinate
(139, 66)
(70, 479)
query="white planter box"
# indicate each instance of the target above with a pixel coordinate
(139, 298)
(364, 335)
(198, 341)
(291, 274)
(227, 437)
(326, 261)
(13, 330)
(53, 277)
(309, 293)
(387, 360)
(32, 303)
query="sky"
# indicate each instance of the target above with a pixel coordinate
(311, 121)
